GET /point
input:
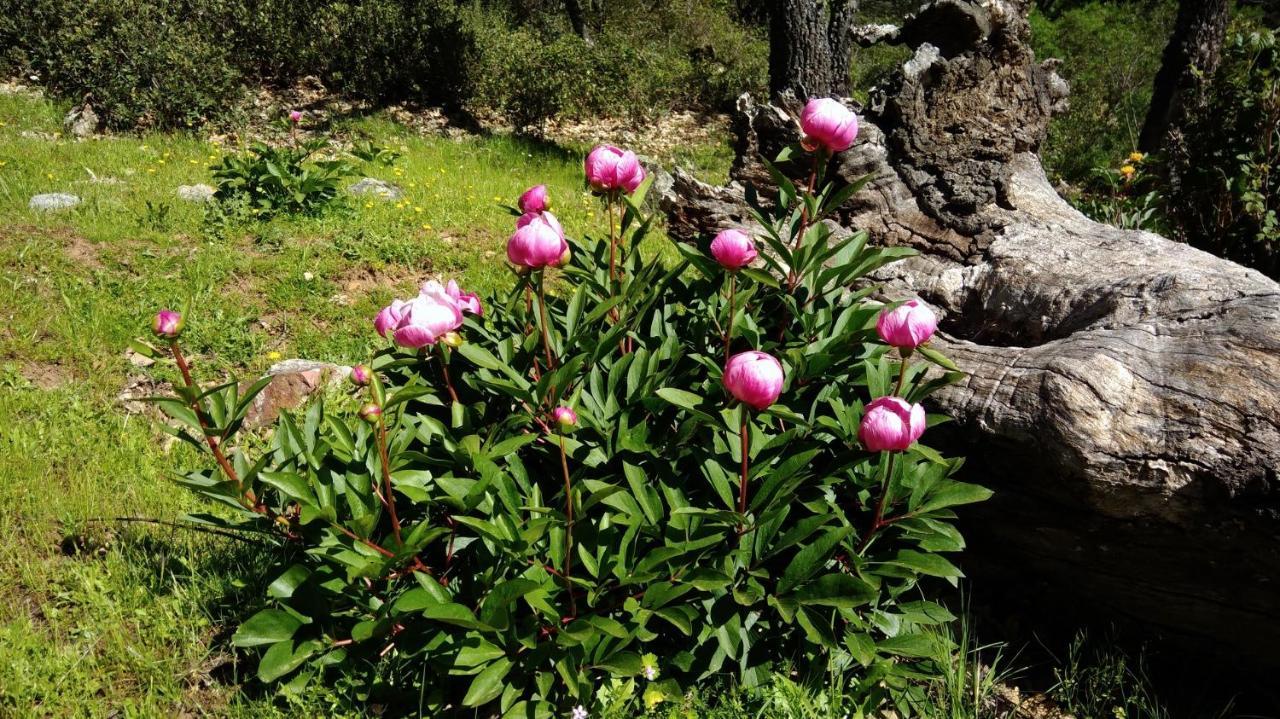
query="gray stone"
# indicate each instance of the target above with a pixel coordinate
(81, 121)
(376, 188)
(293, 381)
(196, 193)
(53, 201)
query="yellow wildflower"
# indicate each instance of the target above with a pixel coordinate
(274, 356)
(1135, 157)
(368, 205)
(48, 175)
(1128, 171)
(417, 209)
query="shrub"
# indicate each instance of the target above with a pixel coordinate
(140, 62)
(287, 179)
(561, 493)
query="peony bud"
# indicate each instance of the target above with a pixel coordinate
(754, 378)
(908, 325)
(371, 413)
(733, 250)
(168, 324)
(534, 199)
(828, 124)
(891, 424)
(565, 417)
(610, 169)
(361, 375)
(538, 241)
(295, 116)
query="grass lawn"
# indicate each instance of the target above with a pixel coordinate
(113, 619)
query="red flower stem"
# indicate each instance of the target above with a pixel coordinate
(793, 279)
(878, 522)
(542, 312)
(444, 371)
(389, 499)
(568, 529)
(215, 446)
(728, 332)
(742, 484)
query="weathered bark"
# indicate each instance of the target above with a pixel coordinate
(1190, 58)
(577, 20)
(810, 46)
(1123, 390)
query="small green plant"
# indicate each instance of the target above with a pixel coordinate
(289, 179)
(369, 151)
(1126, 196)
(1100, 682)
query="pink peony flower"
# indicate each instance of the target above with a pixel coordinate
(538, 241)
(534, 199)
(295, 116)
(168, 324)
(908, 325)
(733, 249)
(827, 123)
(754, 378)
(891, 424)
(565, 417)
(609, 168)
(468, 302)
(428, 317)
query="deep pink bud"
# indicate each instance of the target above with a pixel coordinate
(428, 317)
(829, 124)
(168, 324)
(565, 417)
(468, 302)
(908, 325)
(534, 199)
(891, 424)
(538, 241)
(754, 378)
(389, 317)
(610, 168)
(733, 250)
(295, 116)
(370, 413)
(361, 375)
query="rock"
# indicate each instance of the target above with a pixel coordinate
(53, 201)
(293, 381)
(37, 135)
(196, 193)
(137, 359)
(376, 188)
(81, 121)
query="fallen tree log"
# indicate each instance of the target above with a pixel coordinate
(1123, 390)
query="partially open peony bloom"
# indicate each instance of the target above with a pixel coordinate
(534, 199)
(428, 317)
(908, 325)
(468, 302)
(610, 168)
(891, 424)
(754, 378)
(295, 116)
(167, 324)
(538, 241)
(733, 249)
(829, 124)
(565, 417)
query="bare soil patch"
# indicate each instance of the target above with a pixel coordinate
(46, 375)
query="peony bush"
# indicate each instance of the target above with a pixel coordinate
(617, 479)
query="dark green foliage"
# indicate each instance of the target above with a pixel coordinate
(130, 58)
(1224, 172)
(288, 179)
(1111, 51)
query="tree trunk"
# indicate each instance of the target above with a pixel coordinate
(1123, 390)
(577, 20)
(810, 47)
(1190, 58)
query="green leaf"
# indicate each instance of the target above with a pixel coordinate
(622, 664)
(266, 627)
(949, 493)
(810, 559)
(937, 358)
(930, 564)
(283, 657)
(488, 684)
(837, 590)
(287, 583)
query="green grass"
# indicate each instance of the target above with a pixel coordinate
(109, 619)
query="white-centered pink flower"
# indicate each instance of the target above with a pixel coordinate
(428, 317)
(611, 168)
(891, 424)
(908, 325)
(829, 124)
(538, 241)
(733, 249)
(468, 302)
(754, 378)
(534, 199)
